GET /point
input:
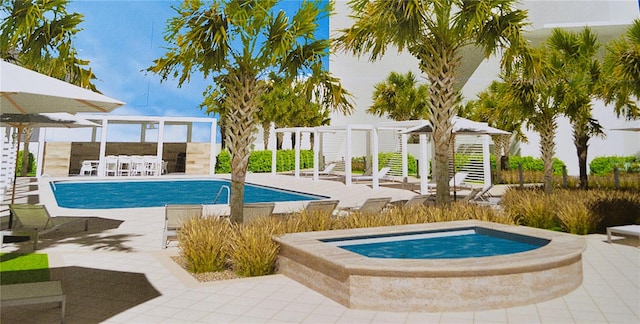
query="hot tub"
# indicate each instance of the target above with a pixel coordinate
(464, 284)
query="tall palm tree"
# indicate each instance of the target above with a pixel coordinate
(622, 69)
(400, 97)
(579, 72)
(534, 90)
(239, 42)
(435, 32)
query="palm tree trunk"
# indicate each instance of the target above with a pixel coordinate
(28, 131)
(582, 146)
(498, 145)
(266, 133)
(443, 99)
(548, 150)
(243, 93)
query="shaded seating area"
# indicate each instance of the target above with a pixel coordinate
(35, 220)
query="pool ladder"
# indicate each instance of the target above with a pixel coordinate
(220, 192)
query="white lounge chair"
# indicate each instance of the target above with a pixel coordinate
(174, 217)
(382, 175)
(625, 230)
(456, 181)
(415, 201)
(326, 172)
(34, 293)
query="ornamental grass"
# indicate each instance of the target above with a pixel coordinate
(204, 244)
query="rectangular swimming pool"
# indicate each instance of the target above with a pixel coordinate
(157, 193)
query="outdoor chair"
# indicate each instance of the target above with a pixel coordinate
(471, 195)
(137, 166)
(174, 217)
(124, 165)
(254, 211)
(624, 230)
(87, 168)
(111, 165)
(414, 202)
(322, 206)
(35, 220)
(370, 206)
(456, 181)
(326, 172)
(381, 175)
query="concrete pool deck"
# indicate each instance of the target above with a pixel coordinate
(130, 254)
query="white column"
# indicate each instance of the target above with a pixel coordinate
(424, 165)
(405, 164)
(41, 143)
(296, 171)
(213, 153)
(273, 146)
(317, 137)
(374, 153)
(160, 148)
(347, 158)
(486, 161)
(103, 147)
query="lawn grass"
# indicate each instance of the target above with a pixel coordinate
(23, 267)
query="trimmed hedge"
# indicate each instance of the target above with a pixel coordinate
(605, 164)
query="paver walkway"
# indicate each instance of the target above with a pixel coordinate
(121, 275)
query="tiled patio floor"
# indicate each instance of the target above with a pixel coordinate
(121, 275)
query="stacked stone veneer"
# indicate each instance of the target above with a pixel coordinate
(433, 285)
(64, 158)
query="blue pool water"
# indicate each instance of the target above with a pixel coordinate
(460, 243)
(140, 193)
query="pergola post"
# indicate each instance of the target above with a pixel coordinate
(424, 164)
(347, 162)
(316, 154)
(103, 147)
(486, 161)
(373, 133)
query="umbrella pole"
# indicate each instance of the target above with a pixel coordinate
(15, 176)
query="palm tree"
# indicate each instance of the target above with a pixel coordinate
(239, 43)
(400, 97)
(579, 72)
(38, 35)
(622, 68)
(435, 32)
(534, 90)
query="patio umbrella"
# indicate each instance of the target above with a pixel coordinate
(21, 121)
(23, 91)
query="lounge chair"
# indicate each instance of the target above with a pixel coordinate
(382, 175)
(174, 217)
(35, 220)
(34, 293)
(322, 206)
(253, 211)
(471, 195)
(415, 201)
(456, 181)
(484, 195)
(370, 206)
(625, 230)
(326, 172)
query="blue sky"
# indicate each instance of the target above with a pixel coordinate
(121, 39)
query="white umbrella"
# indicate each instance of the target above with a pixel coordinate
(23, 91)
(21, 121)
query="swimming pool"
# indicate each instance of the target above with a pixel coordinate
(156, 193)
(433, 285)
(454, 244)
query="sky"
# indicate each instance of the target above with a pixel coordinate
(121, 39)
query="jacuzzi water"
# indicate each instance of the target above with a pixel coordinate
(451, 244)
(157, 193)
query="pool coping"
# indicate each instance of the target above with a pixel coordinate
(306, 259)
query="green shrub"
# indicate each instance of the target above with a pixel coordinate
(31, 164)
(223, 162)
(204, 244)
(605, 164)
(533, 164)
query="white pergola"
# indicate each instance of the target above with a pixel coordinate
(144, 122)
(372, 147)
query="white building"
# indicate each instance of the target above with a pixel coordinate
(609, 19)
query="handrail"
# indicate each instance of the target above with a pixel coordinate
(220, 192)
